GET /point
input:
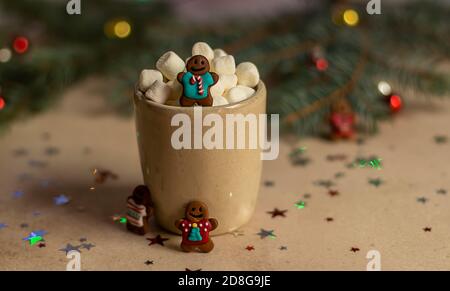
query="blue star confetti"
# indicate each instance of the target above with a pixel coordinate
(17, 194)
(61, 199)
(3, 225)
(70, 248)
(266, 233)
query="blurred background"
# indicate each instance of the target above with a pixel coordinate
(311, 54)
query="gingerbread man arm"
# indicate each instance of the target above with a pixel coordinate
(215, 77)
(180, 76)
(214, 223)
(178, 223)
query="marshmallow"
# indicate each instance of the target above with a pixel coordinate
(224, 65)
(147, 78)
(228, 81)
(170, 64)
(219, 53)
(219, 100)
(202, 48)
(175, 89)
(158, 92)
(239, 93)
(217, 89)
(247, 74)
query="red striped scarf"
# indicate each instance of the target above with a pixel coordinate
(198, 79)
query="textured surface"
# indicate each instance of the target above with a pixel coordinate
(55, 153)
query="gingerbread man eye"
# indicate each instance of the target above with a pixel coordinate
(193, 208)
(202, 62)
(195, 61)
(200, 209)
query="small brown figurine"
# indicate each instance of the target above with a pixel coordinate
(195, 228)
(342, 120)
(140, 209)
(197, 82)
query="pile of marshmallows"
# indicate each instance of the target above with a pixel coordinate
(235, 83)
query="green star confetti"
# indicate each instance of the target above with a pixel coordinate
(123, 220)
(300, 204)
(376, 182)
(35, 239)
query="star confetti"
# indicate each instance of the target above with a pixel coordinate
(266, 233)
(20, 152)
(283, 248)
(440, 139)
(353, 249)
(329, 219)
(300, 204)
(336, 157)
(306, 195)
(157, 240)
(41, 245)
(87, 246)
(148, 262)
(123, 220)
(51, 151)
(250, 248)
(70, 248)
(35, 237)
(3, 225)
(422, 200)
(300, 161)
(276, 212)
(297, 151)
(83, 239)
(427, 229)
(375, 182)
(61, 199)
(333, 193)
(37, 164)
(324, 183)
(23, 225)
(339, 175)
(18, 194)
(269, 183)
(441, 191)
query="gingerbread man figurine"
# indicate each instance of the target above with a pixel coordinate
(140, 209)
(197, 82)
(195, 228)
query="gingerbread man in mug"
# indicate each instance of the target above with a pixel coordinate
(195, 228)
(197, 82)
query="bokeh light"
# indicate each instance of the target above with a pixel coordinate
(350, 17)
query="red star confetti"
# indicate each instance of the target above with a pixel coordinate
(353, 249)
(276, 212)
(333, 193)
(250, 248)
(41, 245)
(157, 240)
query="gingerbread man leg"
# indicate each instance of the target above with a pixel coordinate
(188, 248)
(208, 101)
(207, 247)
(184, 101)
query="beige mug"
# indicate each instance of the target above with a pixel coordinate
(227, 180)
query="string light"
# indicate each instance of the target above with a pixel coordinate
(395, 102)
(321, 64)
(5, 55)
(384, 88)
(21, 44)
(350, 17)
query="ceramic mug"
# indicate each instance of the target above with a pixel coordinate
(227, 180)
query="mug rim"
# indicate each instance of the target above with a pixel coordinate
(259, 92)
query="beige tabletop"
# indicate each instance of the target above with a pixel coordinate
(55, 153)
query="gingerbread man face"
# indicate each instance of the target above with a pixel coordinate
(196, 211)
(198, 65)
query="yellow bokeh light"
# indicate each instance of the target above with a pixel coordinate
(122, 29)
(351, 17)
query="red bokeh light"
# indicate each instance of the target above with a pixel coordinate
(321, 64)
(395, 102)
(21, 45)
(2, 103)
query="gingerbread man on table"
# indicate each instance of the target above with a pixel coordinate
(195, 228)
(197, 82)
